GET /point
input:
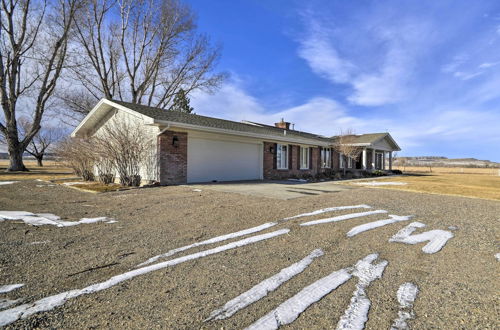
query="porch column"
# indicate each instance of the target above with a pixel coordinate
(373, 159)
(364, 159)
(390, 160)
(383, 160)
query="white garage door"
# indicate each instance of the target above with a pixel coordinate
(210, 160)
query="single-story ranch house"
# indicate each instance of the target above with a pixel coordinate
(194, 148)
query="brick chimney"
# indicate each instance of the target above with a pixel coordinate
(283, 124)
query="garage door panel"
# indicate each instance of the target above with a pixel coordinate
(210, 160)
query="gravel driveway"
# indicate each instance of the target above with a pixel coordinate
(457, 286)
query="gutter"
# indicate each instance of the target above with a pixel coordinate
(265, 137)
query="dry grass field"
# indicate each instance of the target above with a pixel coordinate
(478, 184)
(50, 171)
(450, 170)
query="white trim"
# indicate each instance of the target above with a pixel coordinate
(268, 138)
(328, 162)
(302, 153)
(103, 102)
(278, 165)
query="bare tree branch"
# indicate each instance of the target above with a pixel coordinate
(142, 51)
(33, 46)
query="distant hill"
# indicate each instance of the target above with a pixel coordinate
(438, 161)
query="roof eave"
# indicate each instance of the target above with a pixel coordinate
(103, 103)
(267, 137)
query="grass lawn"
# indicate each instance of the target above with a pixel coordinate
(469, 185)
(50, 171)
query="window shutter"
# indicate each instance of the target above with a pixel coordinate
(290, 148)
(299, 159)
(310, 157)
(320, 157)
(275, 158)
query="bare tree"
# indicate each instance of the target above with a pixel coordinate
(79, 155)
(33, 46)
(126, 145)
(142, 51)
(344, 145)
(46, 138)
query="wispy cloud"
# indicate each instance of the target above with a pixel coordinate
(392, 47)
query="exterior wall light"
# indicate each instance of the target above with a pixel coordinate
(175, 141)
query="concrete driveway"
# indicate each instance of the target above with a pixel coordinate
(276, 189)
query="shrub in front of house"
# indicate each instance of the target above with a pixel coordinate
(397, 172)
(79, 155)
(379, 173)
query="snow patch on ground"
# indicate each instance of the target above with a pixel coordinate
(407, 293)
(39, 242)
(10, 287)
(298, 180)
(381, 183)
(23, 311)
(497, 256)
(289, 310)
(342, 217)
(209, 241)
(2, 183)
(72, 183)
(197, 190)
(261, 290)
(40, 219)
(376, 224)
(4, 303)
(437, 238)
(356, 314)
(329, 209)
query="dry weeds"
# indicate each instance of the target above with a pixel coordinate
(468, 185)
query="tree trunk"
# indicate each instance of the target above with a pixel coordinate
(39, 160)
(16, 158)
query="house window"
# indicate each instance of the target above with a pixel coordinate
(304, 158)
(349, 162)
(326, 157)
(341, 161)
(282, 156)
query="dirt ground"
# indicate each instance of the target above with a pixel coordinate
(458, 286)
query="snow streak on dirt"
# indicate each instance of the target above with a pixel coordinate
(356, 314)
(437, 238)
(342, 217)
(329, 209)
(261, 290)
(209, 241)
(40, 219)
(4, 303)
(289, 310)
(407, 293)
(2, 183)
(23, 311)
(376, 224)
(10, 287)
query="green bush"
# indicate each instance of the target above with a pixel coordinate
(378, 173)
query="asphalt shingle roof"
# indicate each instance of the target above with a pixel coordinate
(198, 120)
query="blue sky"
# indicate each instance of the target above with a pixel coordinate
(426, 71)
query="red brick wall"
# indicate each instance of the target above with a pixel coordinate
(336, 160)
(173, 158)
(271, 172)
